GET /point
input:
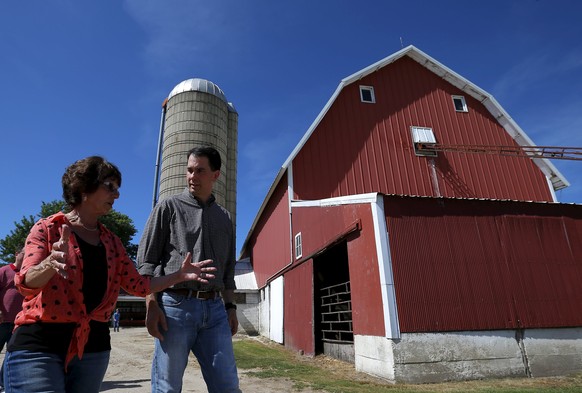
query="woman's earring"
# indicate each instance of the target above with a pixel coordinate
(84, 197)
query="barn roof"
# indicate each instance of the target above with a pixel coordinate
(244, 276)
(521, 138)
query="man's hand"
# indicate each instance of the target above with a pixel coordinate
(228, 297)
(155, 318)
(232, 321)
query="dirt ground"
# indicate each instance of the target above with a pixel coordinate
(132, 348)
(129, 369)
(130, 363)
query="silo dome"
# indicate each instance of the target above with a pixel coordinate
(197, 113)
(197, 84)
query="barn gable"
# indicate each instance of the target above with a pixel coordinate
(363, 147)
(497, 112)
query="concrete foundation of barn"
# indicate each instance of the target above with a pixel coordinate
(438, 357)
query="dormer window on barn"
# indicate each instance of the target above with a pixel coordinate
(367, 94)
(460, 104)
(423, 136)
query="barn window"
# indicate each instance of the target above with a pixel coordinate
(460, 104)
(423, 137)
(367, 94)
(298, 246)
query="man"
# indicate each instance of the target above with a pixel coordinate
(10, 305)
(192, 316)
(116, 318)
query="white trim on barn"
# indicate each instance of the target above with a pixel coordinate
(343, 200)
(385, 269)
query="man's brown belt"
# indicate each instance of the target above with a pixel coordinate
(189, 293)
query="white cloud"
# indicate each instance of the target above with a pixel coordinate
(533, 70)
(183, 31)
(559, 126)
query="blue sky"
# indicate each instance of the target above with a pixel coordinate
(81, 77)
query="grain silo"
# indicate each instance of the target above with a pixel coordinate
(197, 113)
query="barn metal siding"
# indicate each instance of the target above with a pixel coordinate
(298, 316)
(270, 241)
(320, 227)
(484, 265)
(360, 147)
(439, 283)
(367, 301)
(546, 272)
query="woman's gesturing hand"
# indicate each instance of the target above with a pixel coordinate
(58, 256)
(197, 271)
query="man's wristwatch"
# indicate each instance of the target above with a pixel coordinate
(228, 306)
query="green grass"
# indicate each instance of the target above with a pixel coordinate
(267, 360)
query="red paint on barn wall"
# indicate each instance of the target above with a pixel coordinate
(547, 274)
(320, 226)
(270, 241)
(298, 315)
(361, 147)
(484, 265)
(367, 303)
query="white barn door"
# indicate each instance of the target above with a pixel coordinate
(276, 308)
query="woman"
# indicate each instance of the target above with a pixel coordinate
(73, 270)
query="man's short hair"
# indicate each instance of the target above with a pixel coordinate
(209, 152)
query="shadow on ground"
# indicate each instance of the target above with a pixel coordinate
(111, 385)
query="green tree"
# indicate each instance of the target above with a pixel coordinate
(122, 226)
(12, 243)
(50, 208)
(118, 223)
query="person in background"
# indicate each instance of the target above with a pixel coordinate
(192, 316)
(71, 275)
(10, 303)
(116, 317)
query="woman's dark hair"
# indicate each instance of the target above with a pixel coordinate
(85, 176)
(209, 152)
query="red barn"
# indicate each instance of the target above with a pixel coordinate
(419, 266)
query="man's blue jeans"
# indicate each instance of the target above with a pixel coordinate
(200, 326)
(29, 371)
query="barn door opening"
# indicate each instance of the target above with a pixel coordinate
(334, 335)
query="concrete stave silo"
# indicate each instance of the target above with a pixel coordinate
(197, 113)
